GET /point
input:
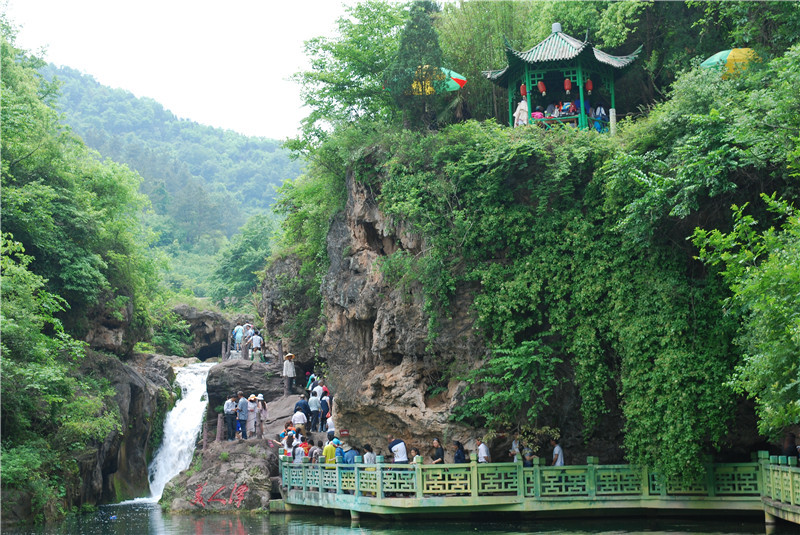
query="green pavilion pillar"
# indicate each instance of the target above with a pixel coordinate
(528, 91)
(511, 105)
(582, 123)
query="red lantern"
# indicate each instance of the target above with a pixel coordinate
(567, 85)
(523, 90)
(542, 88)
(589, 86)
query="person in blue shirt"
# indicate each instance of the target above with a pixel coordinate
(242, 412)
(303, 406)
(460, 455)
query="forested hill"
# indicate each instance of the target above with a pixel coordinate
(204, 180)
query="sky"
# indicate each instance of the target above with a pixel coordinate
(223, 64)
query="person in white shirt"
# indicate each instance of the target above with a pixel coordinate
(314, 404)
(483, 451)
(299, 421)
(558, 453)
(398, 448)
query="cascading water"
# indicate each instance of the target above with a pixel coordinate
(181, 427)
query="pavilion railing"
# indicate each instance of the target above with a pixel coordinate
(781, 477)
(590, 481)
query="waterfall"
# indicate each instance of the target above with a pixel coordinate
(181, 427)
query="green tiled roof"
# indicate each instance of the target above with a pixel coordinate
(558, 46)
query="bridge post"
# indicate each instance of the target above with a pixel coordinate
(304, 466)
(591, 476)
(379, 460)
(418, 476)
(538, 462)
(357, 492)
(355, 516)
(473, 475)
(339, 461)
(520, 476)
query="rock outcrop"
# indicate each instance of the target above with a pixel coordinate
(385, 373)
(237, 476)
(117, 470)
(209, 330)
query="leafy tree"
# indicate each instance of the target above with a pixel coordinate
(348, 72)
(77, 217)
(415, 77)
(235, 276)
(763, 273)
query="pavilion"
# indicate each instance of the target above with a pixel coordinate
(562, 64)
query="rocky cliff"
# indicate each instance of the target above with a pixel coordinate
(386, 375)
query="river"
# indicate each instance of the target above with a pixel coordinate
(147, 519)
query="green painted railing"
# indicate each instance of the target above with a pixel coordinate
(782, 480)
(591, 481)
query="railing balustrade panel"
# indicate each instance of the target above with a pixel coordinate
(618, 480)
(348, 478)
(440, 481)
(313, 476)
(736, 480)
(368, 480)
(497, 479)
(560, 481)
(402, 479)
(328, 478)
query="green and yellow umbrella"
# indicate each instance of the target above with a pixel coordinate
(428, 80)
(730, 61)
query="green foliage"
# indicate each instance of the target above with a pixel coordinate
(171, 334)
(77, 217)
(415, 78)
(762, 270)
(235, 276)
(520, 381)
(202, 182)
(346, 80)
(224, 456)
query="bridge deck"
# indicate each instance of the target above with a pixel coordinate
(446, 489)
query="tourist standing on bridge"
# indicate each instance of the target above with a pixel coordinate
(558, 453)
(460, 456)
(438, 452)
(288, 373)
(230, 417)
(329, 451)
(398, 448)
(483, 451)
(242, 414)
(369, 455)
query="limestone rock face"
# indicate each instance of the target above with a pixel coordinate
(118, 469)
(235, 476)
(110, 328)
(383, 375)
(208, 328)
(250, 377)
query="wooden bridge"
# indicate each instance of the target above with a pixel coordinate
(768, 484)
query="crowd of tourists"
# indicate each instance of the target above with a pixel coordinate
(244, 415)
(297, 445)
(248, 339)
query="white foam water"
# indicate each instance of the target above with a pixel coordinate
(181, 427)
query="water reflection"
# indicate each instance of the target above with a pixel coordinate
(143, 518)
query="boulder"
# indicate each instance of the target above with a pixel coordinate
(232, 477)
(209, 330)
